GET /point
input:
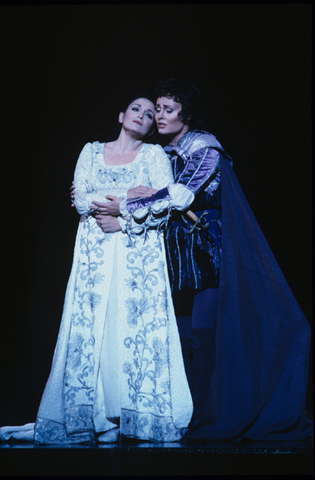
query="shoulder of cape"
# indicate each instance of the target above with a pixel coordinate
(201, 139)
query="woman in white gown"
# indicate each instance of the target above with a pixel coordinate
(117, 365)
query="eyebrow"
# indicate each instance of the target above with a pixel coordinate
(139, 105)
(165, 105)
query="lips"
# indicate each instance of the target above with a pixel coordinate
(137, 121)
(161, 125)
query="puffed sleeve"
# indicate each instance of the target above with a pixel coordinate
(82, 199)
(200, 169)
(160, 169)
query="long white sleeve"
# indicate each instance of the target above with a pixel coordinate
(82, 199)
(160, 169)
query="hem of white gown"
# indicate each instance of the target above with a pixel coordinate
(140, 426)
(136, 426)
(147, 426)
(51, 432)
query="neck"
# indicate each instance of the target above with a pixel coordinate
(127, 143)
(176, 138)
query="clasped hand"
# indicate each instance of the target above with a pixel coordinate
(108, 208)
(105, 213)
(107, 223)
(112, 207)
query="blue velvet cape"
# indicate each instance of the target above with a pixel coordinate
(258, 389)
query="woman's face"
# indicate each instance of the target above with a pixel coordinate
(168, 117)
(139, 117)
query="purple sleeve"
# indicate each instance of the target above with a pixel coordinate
(199, 168)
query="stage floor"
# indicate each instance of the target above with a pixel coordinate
(130, 458)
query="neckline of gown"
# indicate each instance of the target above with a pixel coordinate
(123, 164)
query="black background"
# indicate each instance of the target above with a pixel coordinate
(63, 71)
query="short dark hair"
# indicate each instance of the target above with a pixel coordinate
(189, 96)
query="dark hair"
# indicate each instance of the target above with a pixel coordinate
(126, 101)
(189, 96)
(122, 107)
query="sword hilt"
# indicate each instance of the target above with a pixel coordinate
(197, 220)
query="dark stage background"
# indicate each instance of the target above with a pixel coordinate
(63, 72)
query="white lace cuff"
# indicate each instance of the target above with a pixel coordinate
(123, 224)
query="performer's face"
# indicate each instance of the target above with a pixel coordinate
(139, 117)
(168, 117)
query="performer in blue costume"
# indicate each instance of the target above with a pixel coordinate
(244, 338)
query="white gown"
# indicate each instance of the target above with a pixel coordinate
(118, 357)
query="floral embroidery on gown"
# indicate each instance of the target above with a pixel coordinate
(118, 358)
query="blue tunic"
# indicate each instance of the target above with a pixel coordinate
(194, 256)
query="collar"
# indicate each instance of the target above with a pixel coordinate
(174, 148)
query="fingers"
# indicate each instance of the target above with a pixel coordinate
(148, 192)
(103, 217)
(142, 190)
(104, 224)
(102, 204)
(102, 211)
(109, 209)
(100, 207)
(112, 197)
(99, 221)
